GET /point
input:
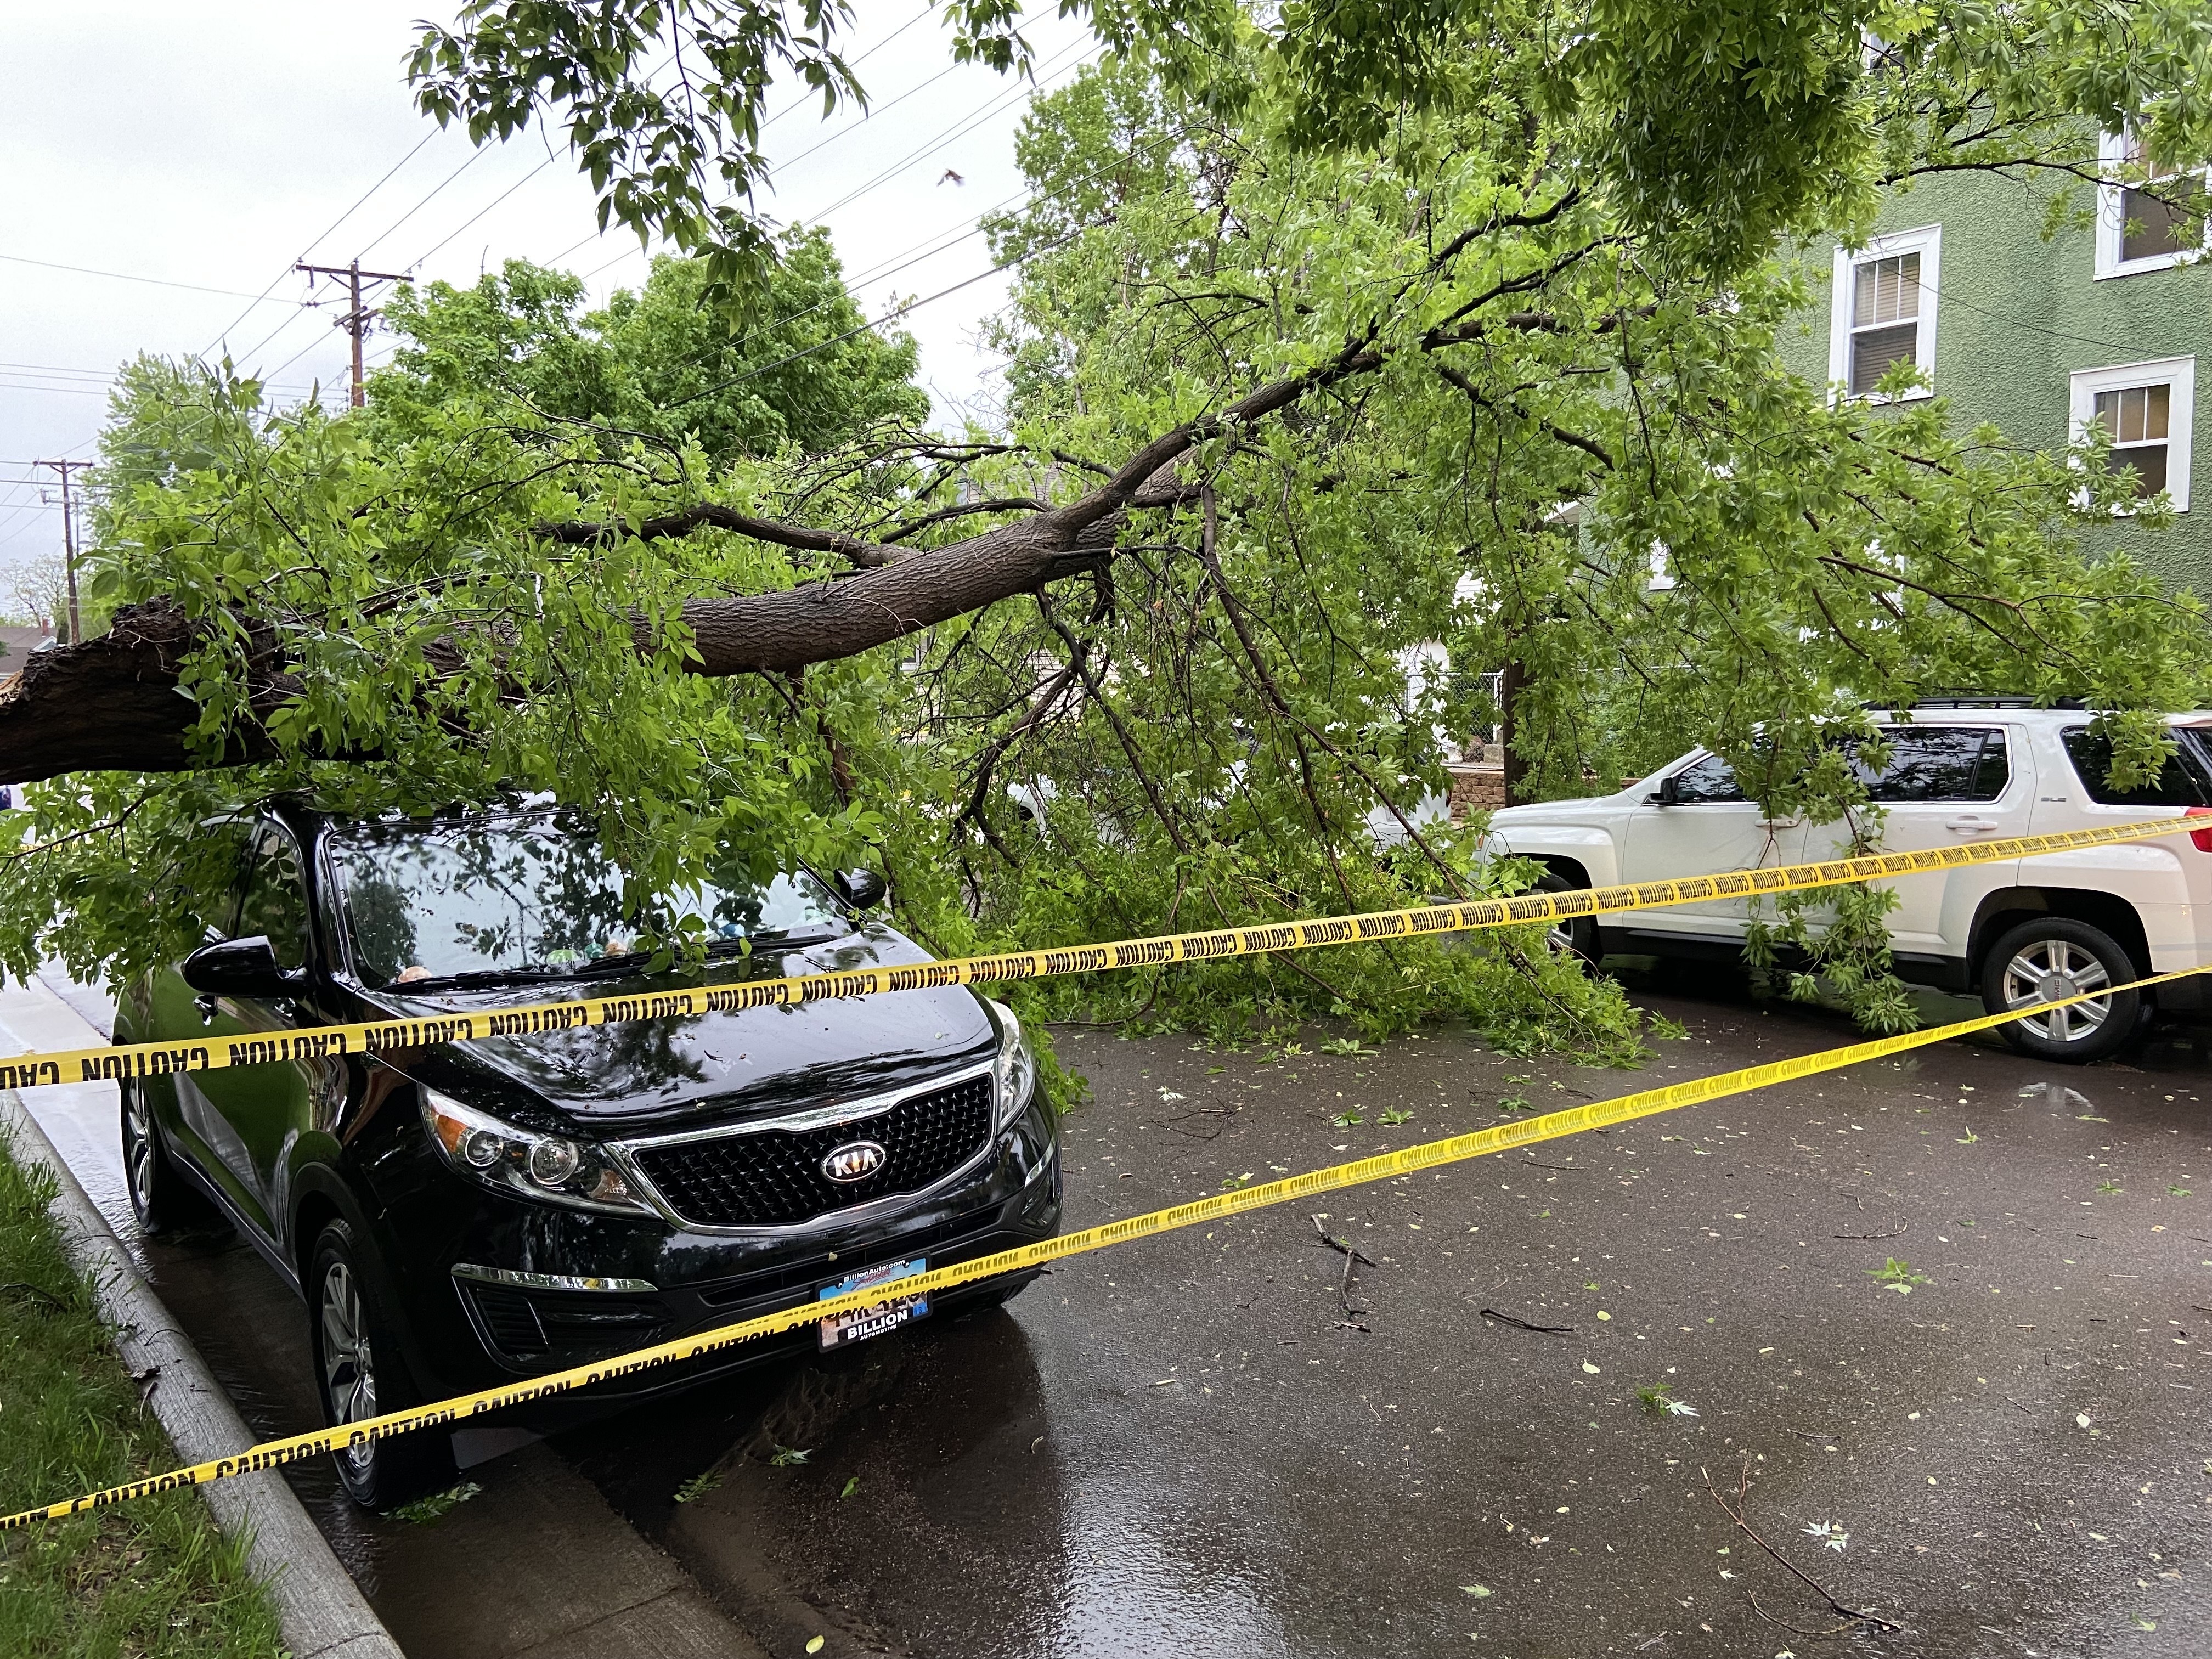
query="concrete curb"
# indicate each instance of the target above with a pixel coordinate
(321, 1610)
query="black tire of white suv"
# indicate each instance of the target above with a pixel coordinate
(2053, 956)
(1576, 937)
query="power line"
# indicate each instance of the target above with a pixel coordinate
(958, 130)
(477, 156)
(129, 276)
(891, 316)
(419, 146)
(794, 105)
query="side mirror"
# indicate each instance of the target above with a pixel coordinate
(1666, 794)
(237, 968)
(861, 889)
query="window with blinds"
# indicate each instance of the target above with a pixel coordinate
(2137, 419)
(1885, 317)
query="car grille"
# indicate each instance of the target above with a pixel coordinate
(773, 1178)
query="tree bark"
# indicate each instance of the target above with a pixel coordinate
(1510, 685)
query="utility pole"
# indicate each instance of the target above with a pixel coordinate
(356, 321)
(68, 538)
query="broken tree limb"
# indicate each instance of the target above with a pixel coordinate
(112, 703)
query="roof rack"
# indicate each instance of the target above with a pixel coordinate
(1992, 700)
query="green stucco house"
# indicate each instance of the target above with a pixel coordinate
(2040, 335)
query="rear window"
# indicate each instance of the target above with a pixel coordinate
(2180, 784)
(1939, 763)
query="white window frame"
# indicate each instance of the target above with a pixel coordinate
(2178, 372)
(2111, 219)
(1928, 242)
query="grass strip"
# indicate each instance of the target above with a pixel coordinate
(155, 1578)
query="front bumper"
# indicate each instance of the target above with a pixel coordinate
(489, 1285)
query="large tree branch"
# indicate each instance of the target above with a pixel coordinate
(112, 703)
(707, 514)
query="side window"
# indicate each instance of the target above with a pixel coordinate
(1941, 763)
(276, 902)
(1711, 779)
(2176, 786)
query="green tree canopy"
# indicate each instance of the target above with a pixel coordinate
(807, 375)
(1298, 398)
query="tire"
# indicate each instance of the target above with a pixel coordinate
(162, 1197)
(1576, 937)
(360, 1372)
(2055, 956)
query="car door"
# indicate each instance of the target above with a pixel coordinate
(253, 1114)
(1707, 828)
(172, 1012)
(1943, 786)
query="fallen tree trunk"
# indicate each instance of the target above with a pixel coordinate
(115, 703)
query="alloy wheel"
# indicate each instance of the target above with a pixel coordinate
(349, 1366)
(138, 1150)
(2049, 968)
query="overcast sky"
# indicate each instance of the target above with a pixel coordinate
(212, 146)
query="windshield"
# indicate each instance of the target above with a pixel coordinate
(527, 898)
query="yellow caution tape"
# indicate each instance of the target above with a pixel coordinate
(132, 1060)
(1453, 1149)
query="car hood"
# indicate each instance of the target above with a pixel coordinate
(648, 1076)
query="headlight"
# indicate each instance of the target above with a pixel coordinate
(1016, 1066)
(548, 1168)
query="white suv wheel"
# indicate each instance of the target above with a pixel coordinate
(2039, 961)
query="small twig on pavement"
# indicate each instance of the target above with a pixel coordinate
(1564, 1169)
(1854, 1615)
(1352, 1256)
(1345, 1245)
(1802, 1435)
(1351, 1259)
(1795, 1629)
(1176, 1122)
(1522, 1324)
(1862, 1237)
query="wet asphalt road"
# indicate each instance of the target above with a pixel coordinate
(1201, 1443)
(1190, 1445)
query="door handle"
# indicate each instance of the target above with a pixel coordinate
(1970, 827)
(205, 1005)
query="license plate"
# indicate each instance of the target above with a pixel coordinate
(859, 1324)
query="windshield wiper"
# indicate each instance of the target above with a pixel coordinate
(475, 979)
(778, 939)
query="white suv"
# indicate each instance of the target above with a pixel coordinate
(2016, 932)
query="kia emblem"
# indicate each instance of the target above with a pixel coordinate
(856, 1160)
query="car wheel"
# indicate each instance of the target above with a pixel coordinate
(361, 1374)
(1576, 936)
(2056, 957)
(161, 1197)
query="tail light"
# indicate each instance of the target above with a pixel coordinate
(2201, 838)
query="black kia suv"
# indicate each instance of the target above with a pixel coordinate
(462, 1215)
